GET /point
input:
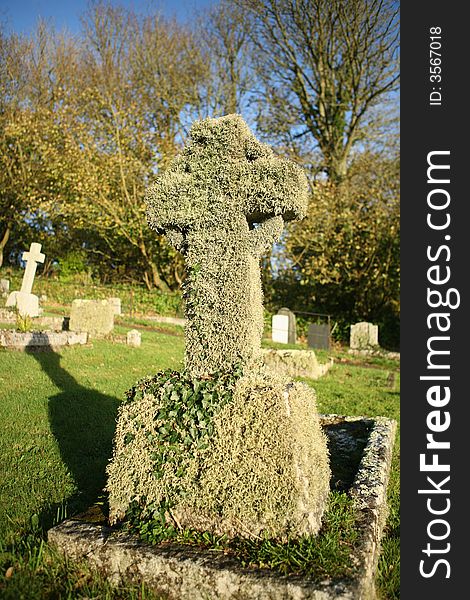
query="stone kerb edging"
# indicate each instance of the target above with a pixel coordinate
(184, 573)
(15, 340)
(375, 353)
(369, 490)
(54, 323)
(169, 320)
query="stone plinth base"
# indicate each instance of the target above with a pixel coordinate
(27, 304)
(262, 470)
(185, 573)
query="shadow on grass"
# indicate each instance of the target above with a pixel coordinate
(83, 422)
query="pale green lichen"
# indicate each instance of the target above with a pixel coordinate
(222, 203)
(264, 469)
(258, 462)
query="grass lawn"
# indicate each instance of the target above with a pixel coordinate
(58, 416)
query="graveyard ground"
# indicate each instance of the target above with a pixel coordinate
(58, 415)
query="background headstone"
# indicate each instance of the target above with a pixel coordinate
(4, 287)
(280, 329)
(364, 335)
(116, 304)
(318, 336)
(134, 338)
(96, 317)
(284, 331)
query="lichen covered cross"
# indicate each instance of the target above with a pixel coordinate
(222, 203)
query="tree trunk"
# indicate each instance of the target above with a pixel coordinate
(156, 278)
(4, 242)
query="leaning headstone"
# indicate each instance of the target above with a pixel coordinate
(364, 336)
(318, 336)
(284, 327)
(116, 304)
(134, 338)
(227, 446)
(4, 287)
(26, 302)
(95, 317)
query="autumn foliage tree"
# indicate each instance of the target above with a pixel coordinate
(96, 120)
(327, 71)
(343, 259)
(323, 66)
(87, 122)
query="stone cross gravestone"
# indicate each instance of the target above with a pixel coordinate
(222, 204)
(26, 302)
(250, 456)
(284, 327)
(363, 336)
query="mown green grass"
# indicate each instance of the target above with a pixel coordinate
(58, 416)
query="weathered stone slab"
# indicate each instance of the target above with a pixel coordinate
(95, 317)
(178, 572)
(116, 304)
(40, 339)
(295, 363)
(364, 335)
(4, 287)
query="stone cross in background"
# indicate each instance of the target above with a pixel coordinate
(223, 203)
(26, 302)
(31, 258)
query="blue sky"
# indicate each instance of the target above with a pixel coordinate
(22, 15)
